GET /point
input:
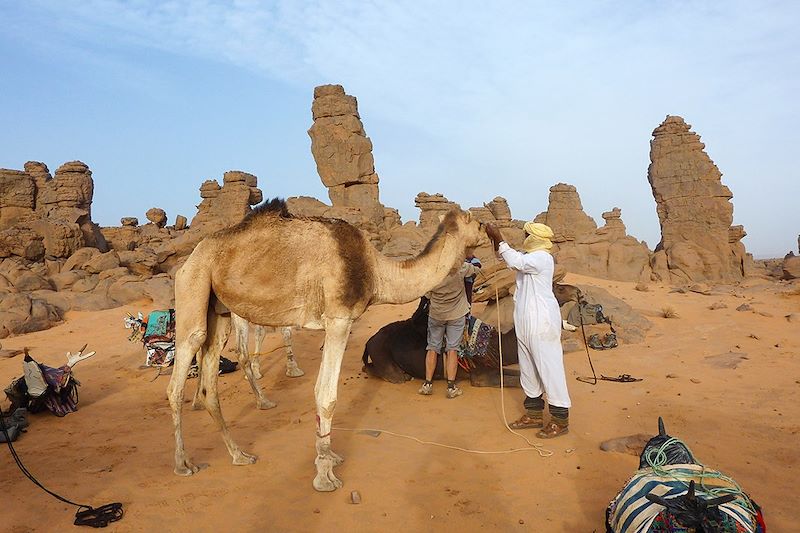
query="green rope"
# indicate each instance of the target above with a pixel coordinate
(657, 459)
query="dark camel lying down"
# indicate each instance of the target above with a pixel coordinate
(396, 353)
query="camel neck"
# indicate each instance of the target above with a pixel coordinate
(405, 281)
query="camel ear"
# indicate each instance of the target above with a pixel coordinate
(441, 218)
(469, 217)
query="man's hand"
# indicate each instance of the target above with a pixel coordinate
(494, 235)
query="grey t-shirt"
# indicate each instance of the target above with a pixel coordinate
(448, 299)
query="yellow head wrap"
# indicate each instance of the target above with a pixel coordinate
(538, 238)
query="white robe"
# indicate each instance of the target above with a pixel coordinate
(537, 321)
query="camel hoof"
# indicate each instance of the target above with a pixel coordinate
(327, 482)
(241, 458)
(336, 458)
(266, 404)
(294, 372)
(186, 469)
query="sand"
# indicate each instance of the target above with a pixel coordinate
(742, 420)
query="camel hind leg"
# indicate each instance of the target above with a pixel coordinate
(292, 370)
(218, 331)
(192, 291)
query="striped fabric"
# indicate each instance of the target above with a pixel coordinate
(632, 512)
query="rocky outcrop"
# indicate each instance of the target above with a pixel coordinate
(694, 209)
(791, 266)
(583, 248)
(56, 212)
(565, 214)
(227, 205)
(432, 207)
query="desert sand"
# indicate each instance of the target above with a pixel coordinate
(742, 420)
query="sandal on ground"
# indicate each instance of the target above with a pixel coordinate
(526, 422)
(552, 430)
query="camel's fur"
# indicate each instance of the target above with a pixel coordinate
(328, 274)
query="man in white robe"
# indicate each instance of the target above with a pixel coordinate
(537, 321)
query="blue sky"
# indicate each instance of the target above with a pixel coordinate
(470, 99)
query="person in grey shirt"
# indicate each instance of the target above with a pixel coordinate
(446, 321)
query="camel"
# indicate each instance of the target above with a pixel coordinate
(331, 274)
(250, 362)
(396, 352)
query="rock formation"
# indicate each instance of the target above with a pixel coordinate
(343, 154)
(55, 212)
(227, 205)
(565, 214)
(432, 207)
(581, 247)
(698, 242)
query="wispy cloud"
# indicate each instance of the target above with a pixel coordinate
(524, 93)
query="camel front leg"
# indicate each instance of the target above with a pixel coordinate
(292, 370)
(336, 332)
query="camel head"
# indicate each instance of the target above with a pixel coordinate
(462, 224)
(676, 452)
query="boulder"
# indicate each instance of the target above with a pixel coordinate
(79, 259)
(141, 262)
(100, 262)
(157, 216)
(65, 280)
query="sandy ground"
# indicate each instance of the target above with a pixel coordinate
(743, 421)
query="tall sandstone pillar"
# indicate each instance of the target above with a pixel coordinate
(694, 208)
(343, 152)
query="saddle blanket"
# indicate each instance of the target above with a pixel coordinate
(632, 512)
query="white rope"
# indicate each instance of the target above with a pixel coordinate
(542, 451)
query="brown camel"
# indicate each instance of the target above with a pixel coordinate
(330, 274)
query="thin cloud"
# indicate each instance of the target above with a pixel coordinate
(523, 94)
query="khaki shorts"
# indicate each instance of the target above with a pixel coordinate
(450, 330)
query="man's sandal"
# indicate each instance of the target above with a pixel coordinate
(552, 430)
(526, 422)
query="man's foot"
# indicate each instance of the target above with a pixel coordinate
(426, 389)
(453, 392)
(526, 422)
(552, 430)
